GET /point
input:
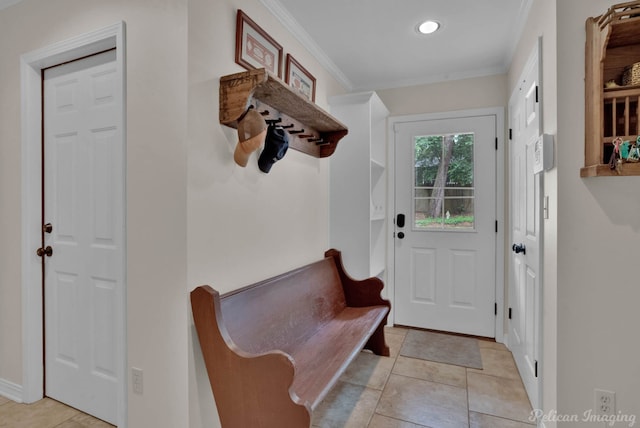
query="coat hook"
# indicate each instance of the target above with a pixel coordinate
(296, 131)
(273, 121)
(287, 126)
(265, 113)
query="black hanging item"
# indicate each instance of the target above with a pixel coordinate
(275, 146)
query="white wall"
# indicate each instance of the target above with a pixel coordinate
(243, 225)
(598, 236)
(466, 94)
(542, 23)
(156, 182)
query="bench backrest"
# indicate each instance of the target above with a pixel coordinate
(284, 311)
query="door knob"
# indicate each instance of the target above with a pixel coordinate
(519, 248)
(47, 228)
(45, 251)
(400, 235)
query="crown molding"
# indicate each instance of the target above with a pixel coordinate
(278, 10)
(519, 23)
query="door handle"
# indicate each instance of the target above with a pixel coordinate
(519, 248)
(400, 220)
(45, 251)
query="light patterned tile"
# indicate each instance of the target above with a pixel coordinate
(479, 420)
(497, 363)
(84, 421)
(431, 371)
(400, 331)
(369, 370)
(424, 403)
(502, 397)
(490, 344)
(45, 413)
(394, 341)
(346, 406)
(380, 421)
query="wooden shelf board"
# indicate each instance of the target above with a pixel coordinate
(603, 170)
(624, 32)
(621, 91)
(267, 92)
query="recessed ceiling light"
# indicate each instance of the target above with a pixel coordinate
(428, 27)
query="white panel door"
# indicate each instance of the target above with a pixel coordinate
(445, 254)
(84, 202)
(526, 191)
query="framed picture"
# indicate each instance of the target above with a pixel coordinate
(255, 48)
(300, 79)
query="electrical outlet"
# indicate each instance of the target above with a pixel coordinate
(605, 402)
(136, 380)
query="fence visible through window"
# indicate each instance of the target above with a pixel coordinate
(444, 192)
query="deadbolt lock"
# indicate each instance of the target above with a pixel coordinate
(45, 251)
(47, 228)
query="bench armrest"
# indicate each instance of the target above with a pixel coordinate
(358, 293)
(366, 292)
(249, 390)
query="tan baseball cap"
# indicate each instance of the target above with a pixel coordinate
(252, 130)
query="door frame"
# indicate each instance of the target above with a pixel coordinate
(31, 66)
(499, 114)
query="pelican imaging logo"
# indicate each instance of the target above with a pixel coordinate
(588, 416)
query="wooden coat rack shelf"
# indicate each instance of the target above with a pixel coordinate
(315, 132)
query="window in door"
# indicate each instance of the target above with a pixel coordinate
(443, 182)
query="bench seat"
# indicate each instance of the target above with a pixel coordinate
(273, 350)
(326, 355)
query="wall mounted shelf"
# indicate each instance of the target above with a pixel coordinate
(267, 92)
(612, 44)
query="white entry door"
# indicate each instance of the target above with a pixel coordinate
(84, 203)
(526, 233)
(445, 253)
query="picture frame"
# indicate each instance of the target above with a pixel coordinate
(297, 77)
(255, 48)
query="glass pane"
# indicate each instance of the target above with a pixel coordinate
(423, 192)
(424, 214)
(459, 213)
(460, 171)
(428, 155)
(444, 179)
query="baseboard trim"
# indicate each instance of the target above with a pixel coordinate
(11, 390)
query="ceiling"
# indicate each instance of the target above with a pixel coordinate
(374, 44)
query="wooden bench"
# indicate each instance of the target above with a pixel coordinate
(274, 349)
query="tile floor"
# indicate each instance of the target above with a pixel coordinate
(375, 392)
(401, 392)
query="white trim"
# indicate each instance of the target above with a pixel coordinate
(289, 22)
(31, 65)
(11, 390)
(519, 24)
(499, 114)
